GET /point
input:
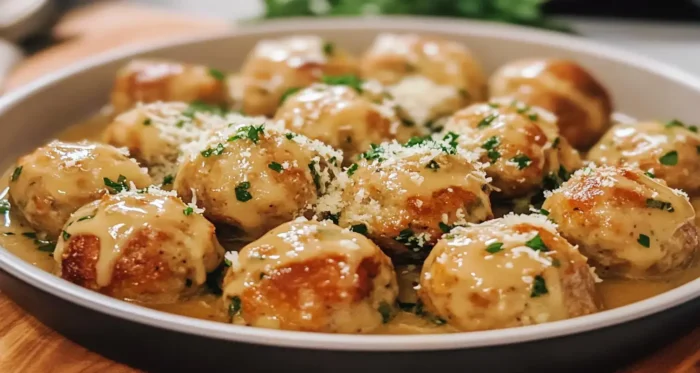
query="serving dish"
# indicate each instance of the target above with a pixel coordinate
(44, 108)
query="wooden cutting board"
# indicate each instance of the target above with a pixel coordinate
(28, 346)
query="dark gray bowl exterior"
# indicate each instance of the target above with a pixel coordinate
(31, 116)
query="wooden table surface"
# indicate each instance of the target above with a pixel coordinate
(26, 345)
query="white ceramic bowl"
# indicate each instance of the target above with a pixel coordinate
(639, 86)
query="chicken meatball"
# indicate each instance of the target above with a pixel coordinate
(277, 67)
(256, 177)
(628, 224)
(428, 77)
(668, 151)
(158, 80)
(521, 144)
(563, 87)
(508, 272)
(311, 276)
(404, 197)
(144, 246)
(49, 184)
(338, 116)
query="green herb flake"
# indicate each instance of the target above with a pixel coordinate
(351, 170)
(533, 117)
(644, 240)
(242, 193)
(202, 107)
(65, 235)
(218, 150)
(544, 212)
(674, 123)
(669, 159)
(433, 165)
(31, 235)
(373, 153)
(539, 287)
(45, 246)
(289, 135)
(8, 234)
(188, 211)
(661, 205)
(274, 166)
(251, 133)
(651, 175)
(217, 74)
(493, 155)
(522, 161)
(4, 206)
(168, 179)
(444, 227)
(487, 121)
(537, 244)
(451, 139)
(147, 122)
(359, 228)
(235, 307)
(556, 141)
(491, 143)
(315, 175)
(116, 186)
(415, 141)
(494, 247)
(385, 310)
(328, 48)
(16, 173)
(351, 81)
(87, 217)
(287, 93)
(180, 124)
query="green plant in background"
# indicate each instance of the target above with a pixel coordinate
(522, 12)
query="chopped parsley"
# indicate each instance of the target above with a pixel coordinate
(536, 244)
(644, 240)
(359, 228)
(375, 152)
(289, 135)
(670, 158)
(288, 93)
(661, 205)
(351, 81)
(8, 234)
(451, 139)
(199, 106)
(180, 124)
(116, 186)
(218, 150)
(444, 227)
(4, 206)
(554, 180)
(235, 307)
(314, 175)
(649, 174)
(87, 217)
(533, 117)
(487, 121)
(16, 173)
(274, 166)
(251, 133)
(351, 170)
(217, 74)
(556, 141)
(677, 123)
(544, 212)
(335, 218)
(493, 155)
(491, 143)
(242, 193)
(42, 245)
(494, 247)
(147, 122)
(188, 211)
(433, 165)
(328, 48)
(385, 310)
(522, 161)
(65, 235)
(168, 179)
(415, 140)
(539, 287)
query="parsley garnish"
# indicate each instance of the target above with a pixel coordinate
(494, 247)
(199, 106)
(351, 81)
(4, 206)
(555, 143)
(288, 93)
(451, 139)
(661, 205)
(359, 228)
(544, 212)
(274, 166)
(533, 117)
(242, 193)
(314, 174)
(42, 245)
(539, 287)
(414, 141)
(168, 179)
(537, 244)
(374, 152)
(65, 235)
(328, 48)
(491, 143)
(677, 123)
(218, 150)
(147, 122)
(86, 217)
(251, 133)
(385, 310)
(649, 174)
(487, 121)
(522, 160)
(644, 240)
(217, 74)
(670, 158)
(289, 135)
(352, 169)
(16, 173)
(493, 155)
(235, 307)
(444, 227)
(433, 165)
(116, 186)
(188, 211)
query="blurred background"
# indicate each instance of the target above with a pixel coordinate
(39, 36)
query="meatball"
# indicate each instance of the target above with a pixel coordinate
(144, 246)
(311, 276)
(404, 197)
(49, 184)
(521, 144)
(429, 77)
(628, 224)
(563, 87)
(158, 80)
(276, 67)
(508, 272)
(668, 151)
(338, 116)
(256, 177)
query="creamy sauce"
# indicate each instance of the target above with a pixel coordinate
(614, 293)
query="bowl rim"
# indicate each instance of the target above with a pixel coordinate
(344, 342)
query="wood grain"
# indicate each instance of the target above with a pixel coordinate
(26, 345)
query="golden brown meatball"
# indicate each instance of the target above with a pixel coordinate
(159, 80)
(49, 184)
(256, 177)
(311, 276)
(275, 67)
(338, 116)
(628, 224)
(428, 77)
(508, 272)
(668, 151)
(579, 101)
(521, 144)
(404, 197)
(149, 247)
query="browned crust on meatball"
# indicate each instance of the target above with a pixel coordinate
(79, 259)
(583, 195)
